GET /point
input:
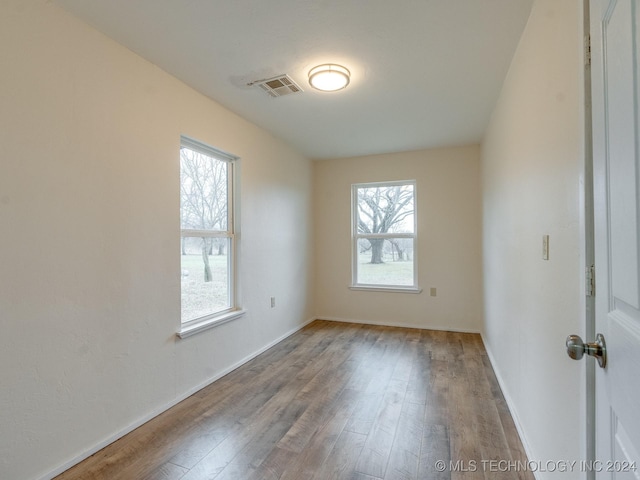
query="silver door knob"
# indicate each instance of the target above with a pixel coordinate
(576, 348)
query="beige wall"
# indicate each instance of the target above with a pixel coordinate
(89, 264)
(448, 252)
(532, 164)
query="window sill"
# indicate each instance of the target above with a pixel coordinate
(208, 322)
(382, 288)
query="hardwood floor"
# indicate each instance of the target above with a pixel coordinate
(333, 401)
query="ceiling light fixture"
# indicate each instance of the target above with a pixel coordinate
(329, 77)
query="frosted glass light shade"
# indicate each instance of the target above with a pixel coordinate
(329, 77)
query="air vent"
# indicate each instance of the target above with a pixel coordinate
(278, 86)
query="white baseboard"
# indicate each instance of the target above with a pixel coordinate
(141, 421)
(397, 324)
(511, 406)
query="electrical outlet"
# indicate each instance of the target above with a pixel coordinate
(273, 302)
(432, 291)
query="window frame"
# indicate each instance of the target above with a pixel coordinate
(191, 326)
(356, 236)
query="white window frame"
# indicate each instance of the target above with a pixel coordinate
(192, 326)
(355, 236)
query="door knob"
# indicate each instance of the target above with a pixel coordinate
(576, 348)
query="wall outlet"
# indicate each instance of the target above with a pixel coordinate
(273, 302)
(432, 291)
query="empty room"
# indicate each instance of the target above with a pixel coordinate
(319, 239)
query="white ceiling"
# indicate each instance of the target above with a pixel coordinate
(425, 73)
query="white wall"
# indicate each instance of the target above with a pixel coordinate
(89, 257)
(532, 169)
(449, 231)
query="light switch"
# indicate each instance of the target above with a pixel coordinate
(545, 247)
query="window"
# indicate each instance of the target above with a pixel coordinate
(207, 236)
(384, 236)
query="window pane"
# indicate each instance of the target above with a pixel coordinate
(386, 209)
(385, 261)
(205, 276)
(203, 191)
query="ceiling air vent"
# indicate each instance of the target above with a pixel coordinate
(278, 86)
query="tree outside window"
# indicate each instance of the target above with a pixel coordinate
(384, 234)
(207, 237)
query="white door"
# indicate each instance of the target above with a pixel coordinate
(615, 43)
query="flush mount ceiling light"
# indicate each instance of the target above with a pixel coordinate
(329, 77)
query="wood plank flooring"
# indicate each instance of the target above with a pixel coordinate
(333, 401)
